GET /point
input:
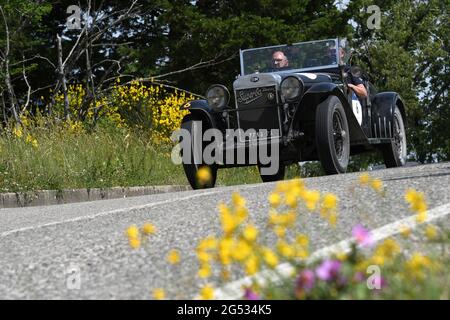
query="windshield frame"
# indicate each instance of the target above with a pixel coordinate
(330, 66)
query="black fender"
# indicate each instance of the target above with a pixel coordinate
(318, 93)
(383, 107)
(201, 109)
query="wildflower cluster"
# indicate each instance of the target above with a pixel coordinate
(135, 104)
(240, 249)
(21, 133)
(136, 236)
(417, 204)
(150, 107)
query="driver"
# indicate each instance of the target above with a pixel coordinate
(279, 60)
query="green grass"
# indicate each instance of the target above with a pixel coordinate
(105, 158)
(108, 157)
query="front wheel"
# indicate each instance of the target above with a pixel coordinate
(332, 136)
(395, 153)
(199, 175)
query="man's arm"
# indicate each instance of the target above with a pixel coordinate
(359, 89)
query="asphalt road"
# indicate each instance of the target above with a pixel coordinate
(39, 245)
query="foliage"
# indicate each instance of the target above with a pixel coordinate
(410, 54)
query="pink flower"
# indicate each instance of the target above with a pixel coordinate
(305, 280)
(328, 270)
(363, 236)
(251, 295)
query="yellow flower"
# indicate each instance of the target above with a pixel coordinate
(291, 200)
(148, 228)
(203, 256)
(417, 265)
(302, 253)
(34, 143)
(388, 249)
(251, 265)
(204, 271)
(173, 257)
(225, 247)
(378, 259)
(207, 292)
(421, 217)
(431, 232)
(29, 138)
(364, 179)
(405, 231)
(302, 240)
(204, 176)
(280, 231)
(250, 233)
(329, 201)
(274, 199)
(417, 203)
(159, 294)
(237, 200)
(134, 242)
(241, 214)
(228, 221)
(377, 185)
(208, 243)
(341, 256)
(289, 218)
(332, 219)
(285, 249)
(411, 195)
(241, 250)
(282, 187)
(311, 198)
(270, 258)
(133, 232)
(17, 132)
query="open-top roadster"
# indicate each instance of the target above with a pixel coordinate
(302, 111)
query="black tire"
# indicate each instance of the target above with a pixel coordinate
(274, 177)
(191, 169)
(332, 136)
(395, 153)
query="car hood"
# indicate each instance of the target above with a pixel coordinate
(313, 77)
(265, 79)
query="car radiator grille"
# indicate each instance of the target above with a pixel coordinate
(257, 108)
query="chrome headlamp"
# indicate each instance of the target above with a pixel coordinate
(291, 88)
(218, 97)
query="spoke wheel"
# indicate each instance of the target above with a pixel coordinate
(332, 136)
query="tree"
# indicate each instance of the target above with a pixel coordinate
(208, 30)
(409, 54)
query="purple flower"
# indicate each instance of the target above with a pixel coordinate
(305, 280)
(328, 270)
(251, 295)
(363, 236)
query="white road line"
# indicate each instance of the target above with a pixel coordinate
(123, 210)
(233, 290)
(105, 213)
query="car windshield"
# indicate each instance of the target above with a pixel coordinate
(301, 56)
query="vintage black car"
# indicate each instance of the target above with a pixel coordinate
(304, 107)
